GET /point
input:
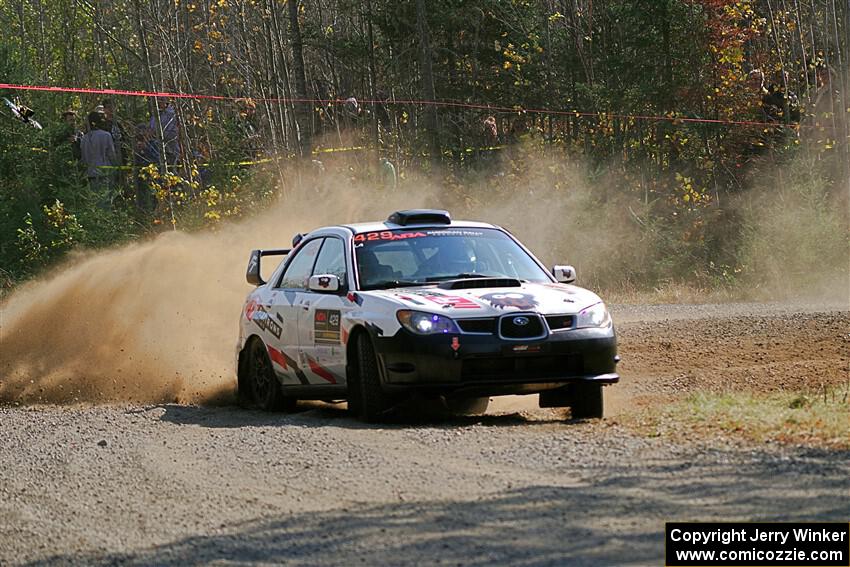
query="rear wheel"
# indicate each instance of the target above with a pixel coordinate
(586, 400)
(262, 384)
(366, 399)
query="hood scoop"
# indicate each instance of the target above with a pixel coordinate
(476, 283)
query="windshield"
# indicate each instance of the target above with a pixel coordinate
(397, 258)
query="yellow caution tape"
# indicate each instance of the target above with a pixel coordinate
(332, 150)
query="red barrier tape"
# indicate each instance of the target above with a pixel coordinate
(444, 103)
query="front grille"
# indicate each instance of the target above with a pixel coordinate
(521, 367)
(511, 327)
(559, 322)
(487, 325)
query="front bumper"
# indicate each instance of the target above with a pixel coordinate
(489, 365)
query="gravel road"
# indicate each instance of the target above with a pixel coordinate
(184, 485)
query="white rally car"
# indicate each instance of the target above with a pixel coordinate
(375, 312)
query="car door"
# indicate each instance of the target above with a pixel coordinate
(320, 319)
(285, 306)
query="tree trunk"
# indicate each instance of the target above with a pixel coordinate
(302, 115)
(373, 89)
(428, 93)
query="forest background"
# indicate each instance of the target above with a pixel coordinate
(639, 121)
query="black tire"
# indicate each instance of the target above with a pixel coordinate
(263, 386)
(586, 401)
(366, 398)
(468, 406)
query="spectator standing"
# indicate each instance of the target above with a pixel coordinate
(388, 174)
(98, 154)
(113, 126)
(773, 100)
(170, 131)
(775, 103)
(246, 122)
(491, 131)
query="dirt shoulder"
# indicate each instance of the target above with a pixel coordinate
(758, 351)
(764, 374)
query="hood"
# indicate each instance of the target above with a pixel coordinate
(548, 299)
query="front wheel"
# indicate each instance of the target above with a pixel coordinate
(586, 400)
(366, 398)
(263, 386)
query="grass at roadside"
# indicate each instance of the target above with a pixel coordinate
(819, 419)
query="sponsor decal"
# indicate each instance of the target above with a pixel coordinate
(324, 282)
(277, 357)
(261, 318)
(354, 298)
(287, 363)
(501, 300)
(326, 327)
(387, 235)
(321, 371)
(254, 262)
(250, 308)
(447, 301)
(455, 232)
(526, 348)
(410, 299)
(455, 344)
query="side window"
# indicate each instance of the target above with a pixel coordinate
(298, 271)
(331, 259)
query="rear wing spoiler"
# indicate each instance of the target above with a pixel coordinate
(253, 272)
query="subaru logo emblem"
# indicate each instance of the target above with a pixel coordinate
(521, 321)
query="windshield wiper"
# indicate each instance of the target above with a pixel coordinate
(392, 284)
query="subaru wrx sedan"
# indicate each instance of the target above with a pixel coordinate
(419, 304)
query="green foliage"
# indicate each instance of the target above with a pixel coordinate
(614, 86)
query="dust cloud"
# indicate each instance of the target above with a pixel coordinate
(795, 240)
(157, 321)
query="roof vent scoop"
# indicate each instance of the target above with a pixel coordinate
(420, 216)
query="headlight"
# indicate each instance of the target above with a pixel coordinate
(426, 323)
(593, 316)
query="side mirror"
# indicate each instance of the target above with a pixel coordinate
(324, 283)
(564, 274)
(253, 272)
